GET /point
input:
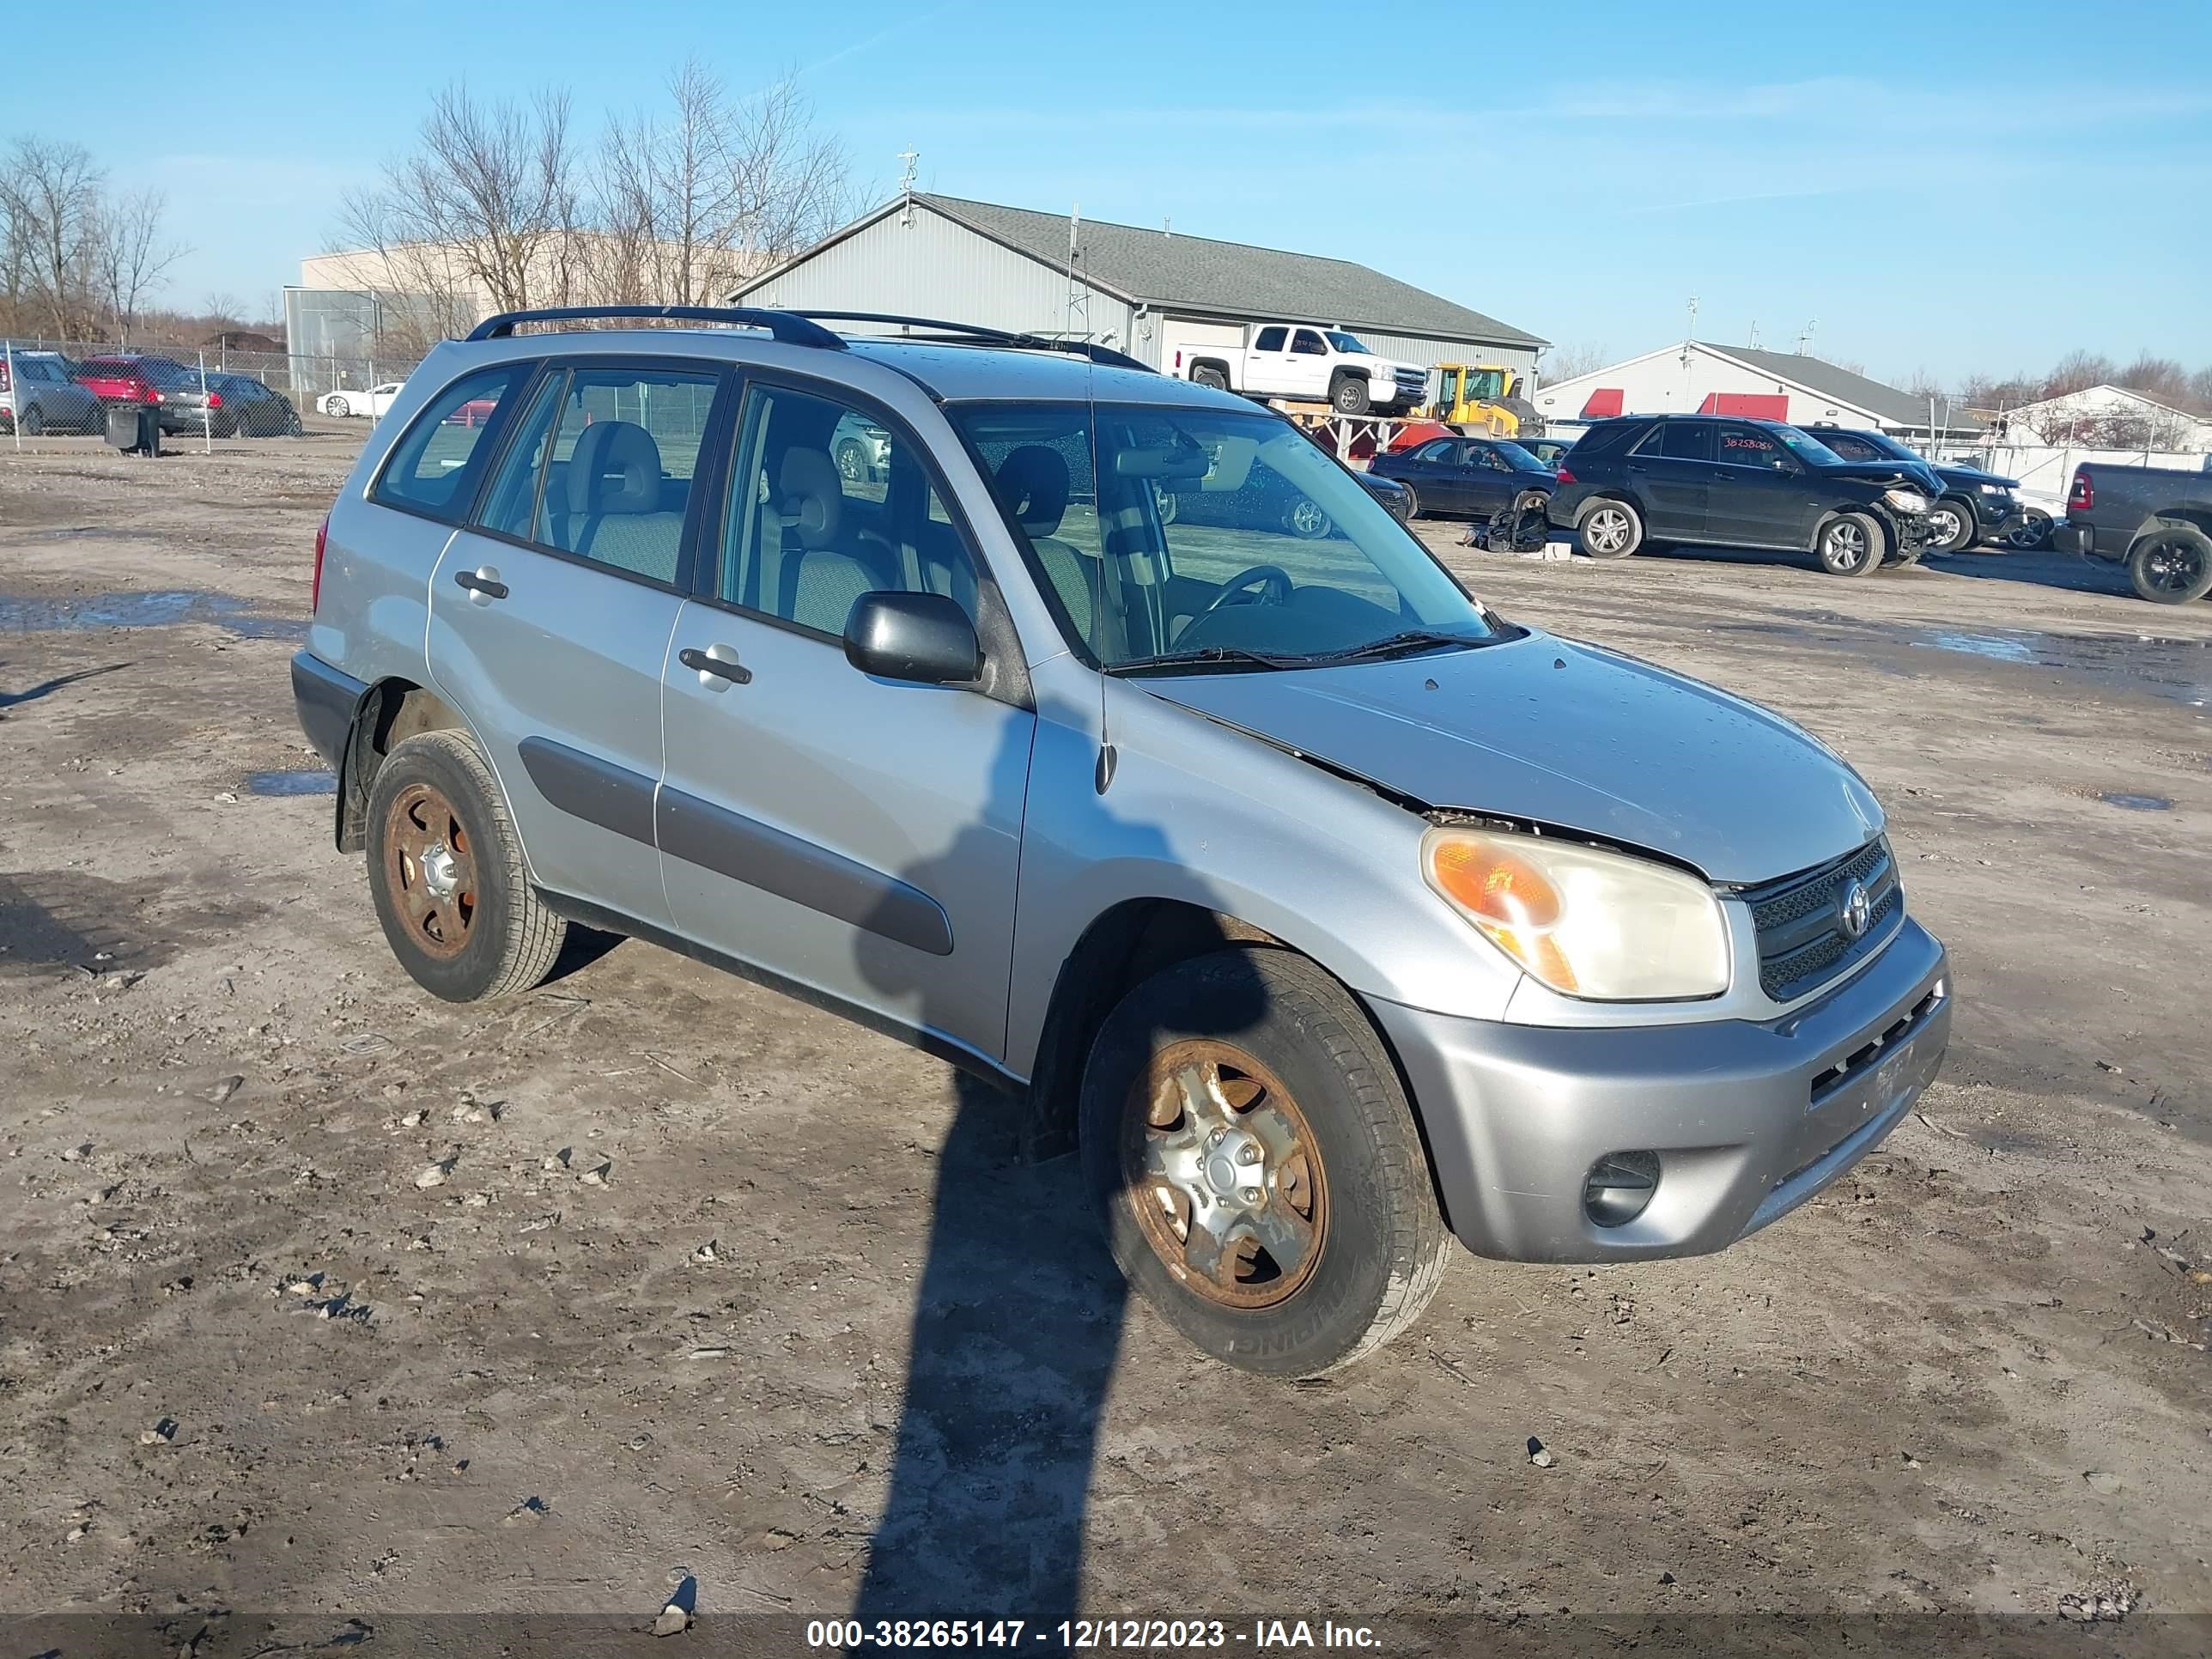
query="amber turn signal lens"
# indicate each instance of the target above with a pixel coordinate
(1496, 885)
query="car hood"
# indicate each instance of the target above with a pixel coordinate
(1884, 471)
(1568, 735)
(1974, 475)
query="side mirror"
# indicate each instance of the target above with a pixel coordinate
(923, 637)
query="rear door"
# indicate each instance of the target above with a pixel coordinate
(859, 836)
(1267, 363)
(1670, 472)
(1309, 363)
(1758, 496)
(551, 611)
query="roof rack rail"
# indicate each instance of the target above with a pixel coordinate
(788, 326)
(1104, 354)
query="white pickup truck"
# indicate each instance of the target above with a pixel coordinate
(1295, 360)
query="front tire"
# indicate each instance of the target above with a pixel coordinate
(35, 422)
(852, 462)
(445, 871)
(338, 407)
(2172, 565)
(1851, 544)
(1951, 527)
(1258, 1168)
(1609, 528)
(1349, 396)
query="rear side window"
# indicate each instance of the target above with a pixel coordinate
(1851, 449)
(1271, 339)
(1686, 440)
(434, 468)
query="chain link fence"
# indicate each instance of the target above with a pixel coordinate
(198, 394)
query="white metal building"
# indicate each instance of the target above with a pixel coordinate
(1694, 377)
(1144, 292)
(2113, 413)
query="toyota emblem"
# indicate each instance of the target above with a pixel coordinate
(1858, 911)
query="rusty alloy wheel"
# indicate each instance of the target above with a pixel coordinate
(1225, 1175)
(430, 870)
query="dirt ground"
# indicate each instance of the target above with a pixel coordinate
(700, 1288)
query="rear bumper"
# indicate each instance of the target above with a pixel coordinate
(326, 701)
(2076, 536)
(1749, 1120)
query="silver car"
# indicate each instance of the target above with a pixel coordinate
(37, 395)
(1330, 914)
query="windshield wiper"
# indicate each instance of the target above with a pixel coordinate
(1204, 653)
(1391, 645)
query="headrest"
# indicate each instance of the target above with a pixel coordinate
(809, 497)
(616, 468)
(1033, 481)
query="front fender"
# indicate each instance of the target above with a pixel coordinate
(1199, 812)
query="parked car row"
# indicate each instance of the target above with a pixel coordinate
(61, 394)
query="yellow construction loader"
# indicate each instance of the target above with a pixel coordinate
(1484, 395)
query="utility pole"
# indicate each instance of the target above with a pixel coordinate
(1079, 308)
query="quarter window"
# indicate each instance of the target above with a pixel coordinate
(435, 467)
(827, 502)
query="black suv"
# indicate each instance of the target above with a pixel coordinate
(1973, 506)
(1643, 481)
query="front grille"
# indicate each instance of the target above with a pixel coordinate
(1798, 919)
(1412, 380)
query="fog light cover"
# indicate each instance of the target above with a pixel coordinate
(1619, 1187)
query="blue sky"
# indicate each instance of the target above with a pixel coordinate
(1952, 187)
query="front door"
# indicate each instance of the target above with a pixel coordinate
(1758, 497)
(1669, 472)
(1489, 480)
(857, 836)
(550, 615)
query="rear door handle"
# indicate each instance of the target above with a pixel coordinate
(716, 673)
(482, 584)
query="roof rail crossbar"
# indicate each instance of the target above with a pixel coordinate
(1104, 354)
(787, 326)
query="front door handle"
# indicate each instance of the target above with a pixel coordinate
(482, 584)
(717, 672)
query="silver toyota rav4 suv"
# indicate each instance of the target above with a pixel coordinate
(1329, 912)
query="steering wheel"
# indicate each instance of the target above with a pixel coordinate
(1277, 591)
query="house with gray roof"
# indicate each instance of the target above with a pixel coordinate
(1145, 292)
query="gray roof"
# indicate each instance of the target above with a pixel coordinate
(1228, 277)
(1897, 407)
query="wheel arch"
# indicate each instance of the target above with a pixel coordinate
(390, 711)
(2196, 518)
(1219, 365)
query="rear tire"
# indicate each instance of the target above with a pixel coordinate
(2172, 565)
(1210, 376)
(1609, 528)
(1412, 504)
(1851, 544)
(1349, 396)
(1283, 1057)
(1952, 528)
(336, 406)
(445, 871)
(35, 422)
(2032, 532)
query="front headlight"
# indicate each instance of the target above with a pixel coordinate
(1585, 923)
(1905, 500)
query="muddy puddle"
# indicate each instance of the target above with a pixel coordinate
(2176, 670)
(291, 783)
(89, 612)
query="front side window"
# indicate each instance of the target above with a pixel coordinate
(435, 467)
(827, 502)
(602, 466)
(1209, 539)
(1850, 447)
(1749, 445)
(1309, 344)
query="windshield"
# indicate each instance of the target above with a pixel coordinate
(1807, 447)
(1223, 540)
(1347, 342)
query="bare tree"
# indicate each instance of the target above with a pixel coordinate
(2155, 376)
(2077, 372)
(1923, 384)
(53, 192)
(483, 210)
(130, 255)
(1565, 362)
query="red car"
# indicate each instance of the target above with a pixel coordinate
(123, 378)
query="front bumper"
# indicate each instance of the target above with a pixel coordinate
(1749, 1120)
